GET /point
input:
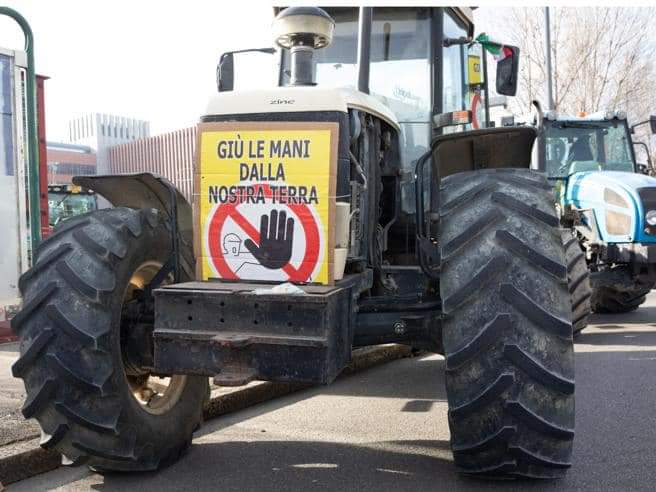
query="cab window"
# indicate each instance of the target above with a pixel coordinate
(579, 146)
(400, 62)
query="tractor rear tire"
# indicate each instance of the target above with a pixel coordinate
(71, 338)
(578, 278)
(506, 328)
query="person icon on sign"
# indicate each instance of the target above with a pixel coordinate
(231, 244)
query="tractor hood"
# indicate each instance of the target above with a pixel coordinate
(616, 204)
(298, 99)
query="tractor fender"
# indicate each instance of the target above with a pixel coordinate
(143, 190)
(488, 148)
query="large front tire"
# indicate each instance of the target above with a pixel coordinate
(507, 329)
(90, 407)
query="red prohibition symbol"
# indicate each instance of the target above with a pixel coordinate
(230, 210)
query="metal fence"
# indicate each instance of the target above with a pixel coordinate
(170, 155)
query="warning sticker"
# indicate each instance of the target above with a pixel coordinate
(265, 202)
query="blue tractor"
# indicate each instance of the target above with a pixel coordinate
(607, 204)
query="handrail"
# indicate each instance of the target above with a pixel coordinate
(33, 136)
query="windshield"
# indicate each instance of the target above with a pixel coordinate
(576, 146)
(400, 70)
(61, 206)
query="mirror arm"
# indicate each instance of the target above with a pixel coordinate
(447, 42)
(651, 120)
(270, 51)
(633, 127)
(486, 87)
(646, 148)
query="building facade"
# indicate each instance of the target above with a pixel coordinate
(101, 132)
(68, 160)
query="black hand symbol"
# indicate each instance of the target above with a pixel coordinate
(276, 237)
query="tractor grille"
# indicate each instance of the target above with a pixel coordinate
(648, 197)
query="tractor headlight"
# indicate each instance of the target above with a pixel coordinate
(650, 218)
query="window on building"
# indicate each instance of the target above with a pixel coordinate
(70, 169)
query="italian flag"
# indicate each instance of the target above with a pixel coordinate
(497, 50)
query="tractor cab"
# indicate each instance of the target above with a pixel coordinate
(422, 64)
(404, 52)
(65, 201)
(419, 70)
(597, 142)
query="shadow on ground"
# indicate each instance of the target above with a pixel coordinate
(420, 380)
(642, 315)
(299, 466)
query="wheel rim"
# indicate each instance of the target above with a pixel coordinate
(154, 394)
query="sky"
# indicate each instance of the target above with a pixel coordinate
(142, 59)
(152, 60)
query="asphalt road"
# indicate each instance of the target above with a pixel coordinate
(386, 429)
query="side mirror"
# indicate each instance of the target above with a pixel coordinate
(225, 72)
(507, 69)
(652, 123)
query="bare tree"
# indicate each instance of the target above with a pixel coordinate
(602, 58)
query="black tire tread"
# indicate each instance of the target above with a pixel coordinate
(49, 441)
(490, 333)
(31, 353)
(507, 329)
(578, 277)
(615, 292)
(66, 358)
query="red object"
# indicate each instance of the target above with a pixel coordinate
(43, 157)
(6, 335)
(476, 100)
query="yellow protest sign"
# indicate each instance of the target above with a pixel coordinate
(265, 199)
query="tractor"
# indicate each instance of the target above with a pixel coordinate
(66, 201)
(608, 201)
(349, 206)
